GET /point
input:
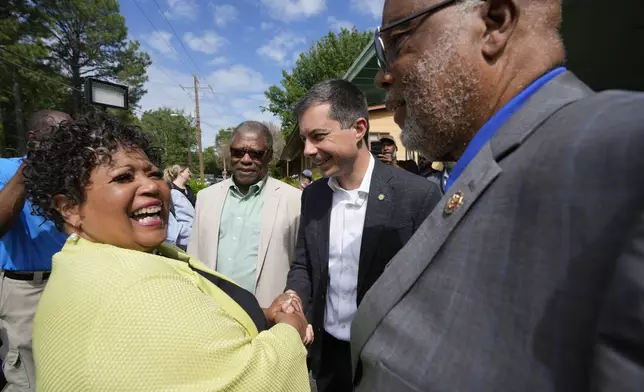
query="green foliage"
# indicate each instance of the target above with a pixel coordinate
(275, 171)
(330, 57)
(197, 185)
(89, 38)
(224, 136)
(222, 148)
(171, 129)
(294, 182)
(47, 47)
(210, 161)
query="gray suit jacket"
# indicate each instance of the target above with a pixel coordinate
(535, 283)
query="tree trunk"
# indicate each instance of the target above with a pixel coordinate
(77, 99)
(20, 135)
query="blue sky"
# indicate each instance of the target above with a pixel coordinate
(239, 47)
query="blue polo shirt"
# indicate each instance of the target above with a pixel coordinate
(31, 241)
(487, 132)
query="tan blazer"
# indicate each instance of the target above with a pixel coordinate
(280, 222)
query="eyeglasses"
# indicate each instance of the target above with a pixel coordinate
(379, 45)
(256, 155)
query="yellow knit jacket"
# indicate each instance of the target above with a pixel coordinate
(112, 319)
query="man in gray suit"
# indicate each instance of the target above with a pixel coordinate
(529, 274)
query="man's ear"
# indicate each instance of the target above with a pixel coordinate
(70, 211)
(361, 127)
(500, 17)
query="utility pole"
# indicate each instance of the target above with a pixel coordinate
(189, 144)
(202, 175)
(199, 145)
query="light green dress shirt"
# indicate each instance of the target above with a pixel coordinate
(239, 233)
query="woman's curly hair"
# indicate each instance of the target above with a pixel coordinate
(60, 161)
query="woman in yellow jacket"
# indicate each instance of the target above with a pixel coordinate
(124, 312)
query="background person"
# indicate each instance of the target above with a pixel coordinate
(178, 176)
(27, 245)
(389, 150)
(122, 310)
(182, 208)
(307, 179)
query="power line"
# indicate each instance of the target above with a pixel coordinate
(161, 35)
(177, 36)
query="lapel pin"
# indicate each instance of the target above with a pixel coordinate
(381, 197)
(453, 203)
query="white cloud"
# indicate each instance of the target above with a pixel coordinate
(207, 43)
(337, 24)
(258, 97)
(182, 9)
(221, 60)
(288, 10)
(237, 78)
(161, 41)
(278, 48)
(164, 91)
(369, 7)
(258, 115)
(238, 95)
(266, 26)
(225, 14)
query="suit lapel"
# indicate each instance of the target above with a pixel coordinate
(269, 214)
(378, 214)
(325, 203)
(214, 212)
(416, 256)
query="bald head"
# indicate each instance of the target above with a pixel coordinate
(255, 127)
(45, 120)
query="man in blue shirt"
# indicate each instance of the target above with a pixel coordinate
(529, 275)
(26, 248)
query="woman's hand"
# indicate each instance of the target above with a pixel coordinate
(297, 321)
(290, 304)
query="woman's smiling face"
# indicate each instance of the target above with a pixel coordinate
(126, 203)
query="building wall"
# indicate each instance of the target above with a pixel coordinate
(381, 122)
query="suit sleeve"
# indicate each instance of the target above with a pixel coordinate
(295, 209)
(299, 276)
(177, 338)
(619, 349)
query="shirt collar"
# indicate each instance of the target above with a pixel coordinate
(364, 185)
(489, 129)
(252, 190)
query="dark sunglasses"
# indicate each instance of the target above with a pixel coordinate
(379, 45)
(256, 155)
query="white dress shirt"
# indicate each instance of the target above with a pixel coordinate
(348, 211)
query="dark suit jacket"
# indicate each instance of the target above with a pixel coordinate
(536, 282)
(389, 223)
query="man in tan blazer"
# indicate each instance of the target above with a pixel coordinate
(246, 227)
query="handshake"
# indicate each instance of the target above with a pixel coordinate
(287, 309)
